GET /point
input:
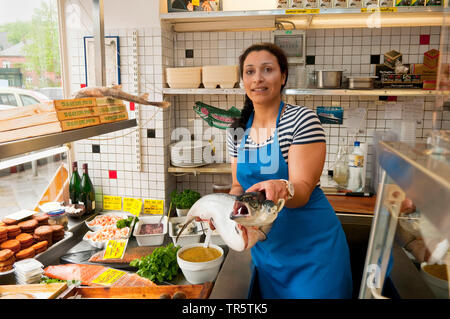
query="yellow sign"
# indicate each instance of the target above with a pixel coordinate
(154, 206)
(302, 11)
(387, 9)
(108, 277)
(115, 249)
(132, 205)
(196, 2)
(112, 202)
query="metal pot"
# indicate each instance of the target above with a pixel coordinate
(361, 82)
(328, 79)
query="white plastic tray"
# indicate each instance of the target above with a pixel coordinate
(150, 239)
(184, 239)
(98, 244)
(95, 228)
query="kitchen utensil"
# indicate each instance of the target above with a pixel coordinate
(361, 82)
(328, 79)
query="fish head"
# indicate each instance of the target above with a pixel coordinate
(253, 209)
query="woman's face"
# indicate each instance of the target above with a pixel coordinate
(262, 77)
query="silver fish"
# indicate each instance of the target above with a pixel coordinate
(226, 213)
(115, 91)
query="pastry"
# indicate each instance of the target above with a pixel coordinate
(13, 231)
(8, 262)
(26, 253)
(6, 268)
(6, 254)
(42, 219)
(3, 231)
(40, 246)
(26, 240)
(11, 244)
(28, 225)
(9, 221)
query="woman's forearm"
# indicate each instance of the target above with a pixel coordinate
(302, 192)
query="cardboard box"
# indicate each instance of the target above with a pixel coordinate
(109, 109)
(391, 57)
(74, 103)
(108, 118)
(85, 102)
(79, 123)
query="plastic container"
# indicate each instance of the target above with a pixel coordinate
(184, 78)
(184, 239)
(437, 285)
(150, 239)
(58, 217)
(200, 272)
(225, 76)
(221, 188)
(355, 169)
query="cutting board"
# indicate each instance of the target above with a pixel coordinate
(191, 291)
(130, 254)
(35, 291)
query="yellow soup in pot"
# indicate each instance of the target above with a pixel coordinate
(200, 254)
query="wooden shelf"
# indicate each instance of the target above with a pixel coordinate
(18, 147)
(305, 18)
(318, 92)
(216, 168)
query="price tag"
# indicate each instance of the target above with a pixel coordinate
(108, 277)
(112, 202)
(386, 9)
(302, 11)
(115, 249)
(154, 206)
(196, 2)
(132, 205)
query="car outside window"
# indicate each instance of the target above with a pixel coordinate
(27, 100)
(8, 99)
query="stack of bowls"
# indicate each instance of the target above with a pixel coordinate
(190, 153)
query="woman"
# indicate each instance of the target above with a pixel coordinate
(282, 153)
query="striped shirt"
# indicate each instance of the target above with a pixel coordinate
(298, 125)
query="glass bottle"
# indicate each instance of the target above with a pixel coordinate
(87, 191)
(74, 185)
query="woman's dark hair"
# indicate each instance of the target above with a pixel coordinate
(247, 110)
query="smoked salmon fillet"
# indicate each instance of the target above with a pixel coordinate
(87, 273)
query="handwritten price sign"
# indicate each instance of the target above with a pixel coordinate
(112, 202)
(132, 205)
(154, 206)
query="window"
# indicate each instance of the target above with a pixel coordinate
(27, 99)
(8, 99)
(6, 64)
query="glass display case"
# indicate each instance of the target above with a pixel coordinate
(412, 212)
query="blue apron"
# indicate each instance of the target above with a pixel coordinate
(305, 254)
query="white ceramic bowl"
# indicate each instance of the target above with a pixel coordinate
(200, 272)
(437, 285)
(184, 239)
(184, 78)
(150, 239)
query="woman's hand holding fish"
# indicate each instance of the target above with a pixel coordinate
(275, 189)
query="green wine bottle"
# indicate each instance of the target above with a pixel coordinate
(87, 191)
(75, 185)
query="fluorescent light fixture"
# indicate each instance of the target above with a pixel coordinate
(32, 157)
